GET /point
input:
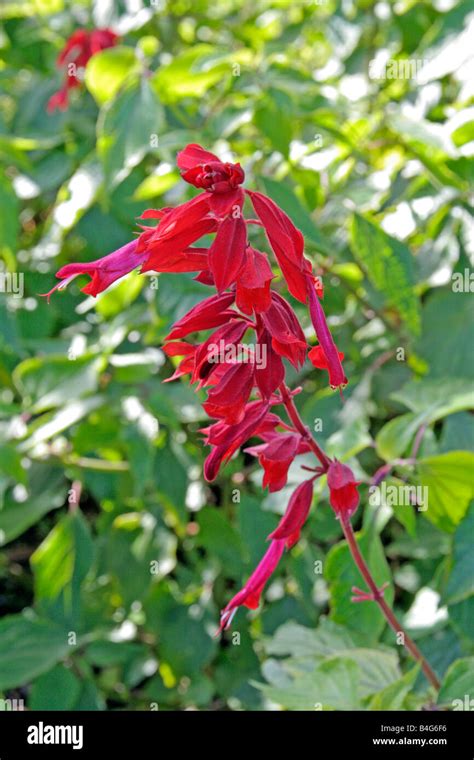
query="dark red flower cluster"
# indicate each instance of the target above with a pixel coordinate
(79, 48)
(253, 330)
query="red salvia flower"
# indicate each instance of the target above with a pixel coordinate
(77, 51)
(343, 494)
(103, 271)
(289, 527)
(276, 456)
(328, 357)
(249, 596)
(244, 382)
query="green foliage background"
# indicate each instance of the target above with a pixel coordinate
(113, 603)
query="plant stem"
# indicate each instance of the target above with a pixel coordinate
(384, 608)
(294, 416)
(359, 560)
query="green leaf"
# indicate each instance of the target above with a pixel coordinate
(47, 491)
(128, 128)
(430, 400)
(389, 267)
(284, 196)
(28, 648)
(325, 640)
(458, 685)
(9, 218)
(448, 332)
(11, 465)
(52, 381)
(61, 563)
(393, 696)
(221, 539)
(184, 78)
(448, 478)
(332, 685)
(108, 70)
(59, 689)
(437, 398)
(395, 436)
(378, 667)
(461, 578)
(463, 134)
(275, 125)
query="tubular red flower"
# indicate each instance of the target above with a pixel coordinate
(250, 594)
(328, 357)
(228, 398)
(286, 241)
(226, 439)
(103, 271)
(343, 494)
(227, 252)
(276, 457)
(289, 527)
(211, 312)
(270, 373)
(287, 336)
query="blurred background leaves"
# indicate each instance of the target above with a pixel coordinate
(111, 600)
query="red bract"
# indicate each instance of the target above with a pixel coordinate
(77, 51)
(343, 494)
(243, 381)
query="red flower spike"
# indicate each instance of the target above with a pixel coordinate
(103, 271)
(249, 596)
(227, 252)
(232, 372)
(343, 494)
(79, 48)
(328, 356)
(289, 527)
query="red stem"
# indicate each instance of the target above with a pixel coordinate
(385, 609)
(294, 416)
(359, 560)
